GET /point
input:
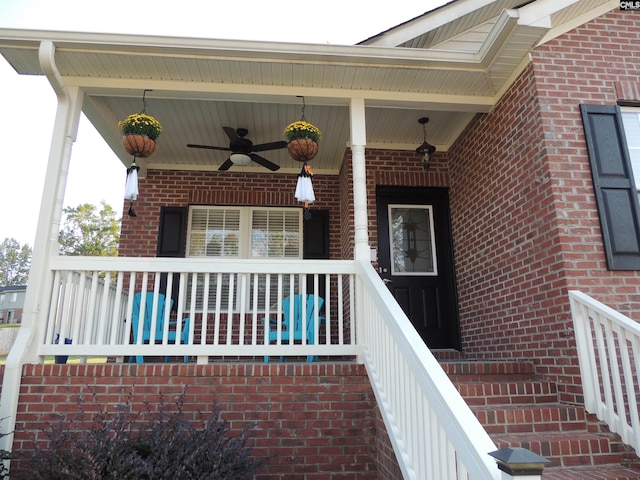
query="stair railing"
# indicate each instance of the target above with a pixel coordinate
(608, 346)
(434, 433)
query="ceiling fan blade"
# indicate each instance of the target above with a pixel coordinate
(269, 146)
(226, 165)
(264, 162)
(231, 133)
(208, 147)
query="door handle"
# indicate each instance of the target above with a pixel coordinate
(387, 280)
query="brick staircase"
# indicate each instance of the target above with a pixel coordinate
(519, 410)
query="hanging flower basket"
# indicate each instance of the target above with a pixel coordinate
(138, 145)
(140, 132)
(303, 140)
(302, 149)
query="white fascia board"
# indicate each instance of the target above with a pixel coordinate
(538, 13)
(237, 49)
(580, 20)
(429, 21)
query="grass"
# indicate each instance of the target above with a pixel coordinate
(72, 359)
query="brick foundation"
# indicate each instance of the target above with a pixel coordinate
(314, 421)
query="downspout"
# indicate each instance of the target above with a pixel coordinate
(36, 307)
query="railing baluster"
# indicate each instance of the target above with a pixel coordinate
(104, 310)
(230, 306)
(128, 333)
(206, 287)
(267, 306)
(116, 318)
(77, 310)
(167, 312)
(54, 306)
(609, 364)
(254, 310)
(143, 306)
(242, 294)
(218, 309)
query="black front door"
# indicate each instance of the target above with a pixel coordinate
(415, 259)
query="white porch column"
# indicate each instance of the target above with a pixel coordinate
(360, 216)
(25, 347)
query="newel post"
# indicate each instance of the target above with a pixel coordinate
(518, 463)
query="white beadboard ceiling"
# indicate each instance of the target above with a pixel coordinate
(448, 65)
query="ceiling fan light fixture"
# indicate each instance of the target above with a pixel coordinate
(241, 159)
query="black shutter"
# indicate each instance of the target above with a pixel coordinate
(614, 185)
(315, 242)
(172, 233)
(315, 245)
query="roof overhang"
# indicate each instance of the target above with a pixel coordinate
(448, 65)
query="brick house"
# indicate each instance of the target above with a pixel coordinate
(12, 303)
(534, 110)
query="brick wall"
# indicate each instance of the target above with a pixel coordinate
(139, 236)
(314, 421)
(525, 223)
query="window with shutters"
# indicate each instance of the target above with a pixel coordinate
(612, 139)
(241, 232)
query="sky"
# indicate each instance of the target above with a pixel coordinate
(24, 149)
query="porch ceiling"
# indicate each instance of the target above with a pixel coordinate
(448, 65)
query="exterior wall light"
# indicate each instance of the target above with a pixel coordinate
(426, 150)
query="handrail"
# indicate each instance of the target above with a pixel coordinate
(608, 346)
(434, 432)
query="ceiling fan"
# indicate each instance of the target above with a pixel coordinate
(243, 150)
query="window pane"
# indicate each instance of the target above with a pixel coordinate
(631, 121)
(275, 233)
(214, 232)
(411, 240)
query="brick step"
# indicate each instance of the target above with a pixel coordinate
(487, 371)
(599, 472)
(569, 449)
(534, 418)
(507, 392)
(448, 354)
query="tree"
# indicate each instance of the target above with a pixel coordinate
(89, 232)
(15, 261)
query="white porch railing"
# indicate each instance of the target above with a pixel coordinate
(226, 303)
(608, 346)
(433, 431)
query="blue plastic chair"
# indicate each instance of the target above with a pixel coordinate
(271, 325)
(146, 329)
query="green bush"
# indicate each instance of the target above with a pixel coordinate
(143, 445)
